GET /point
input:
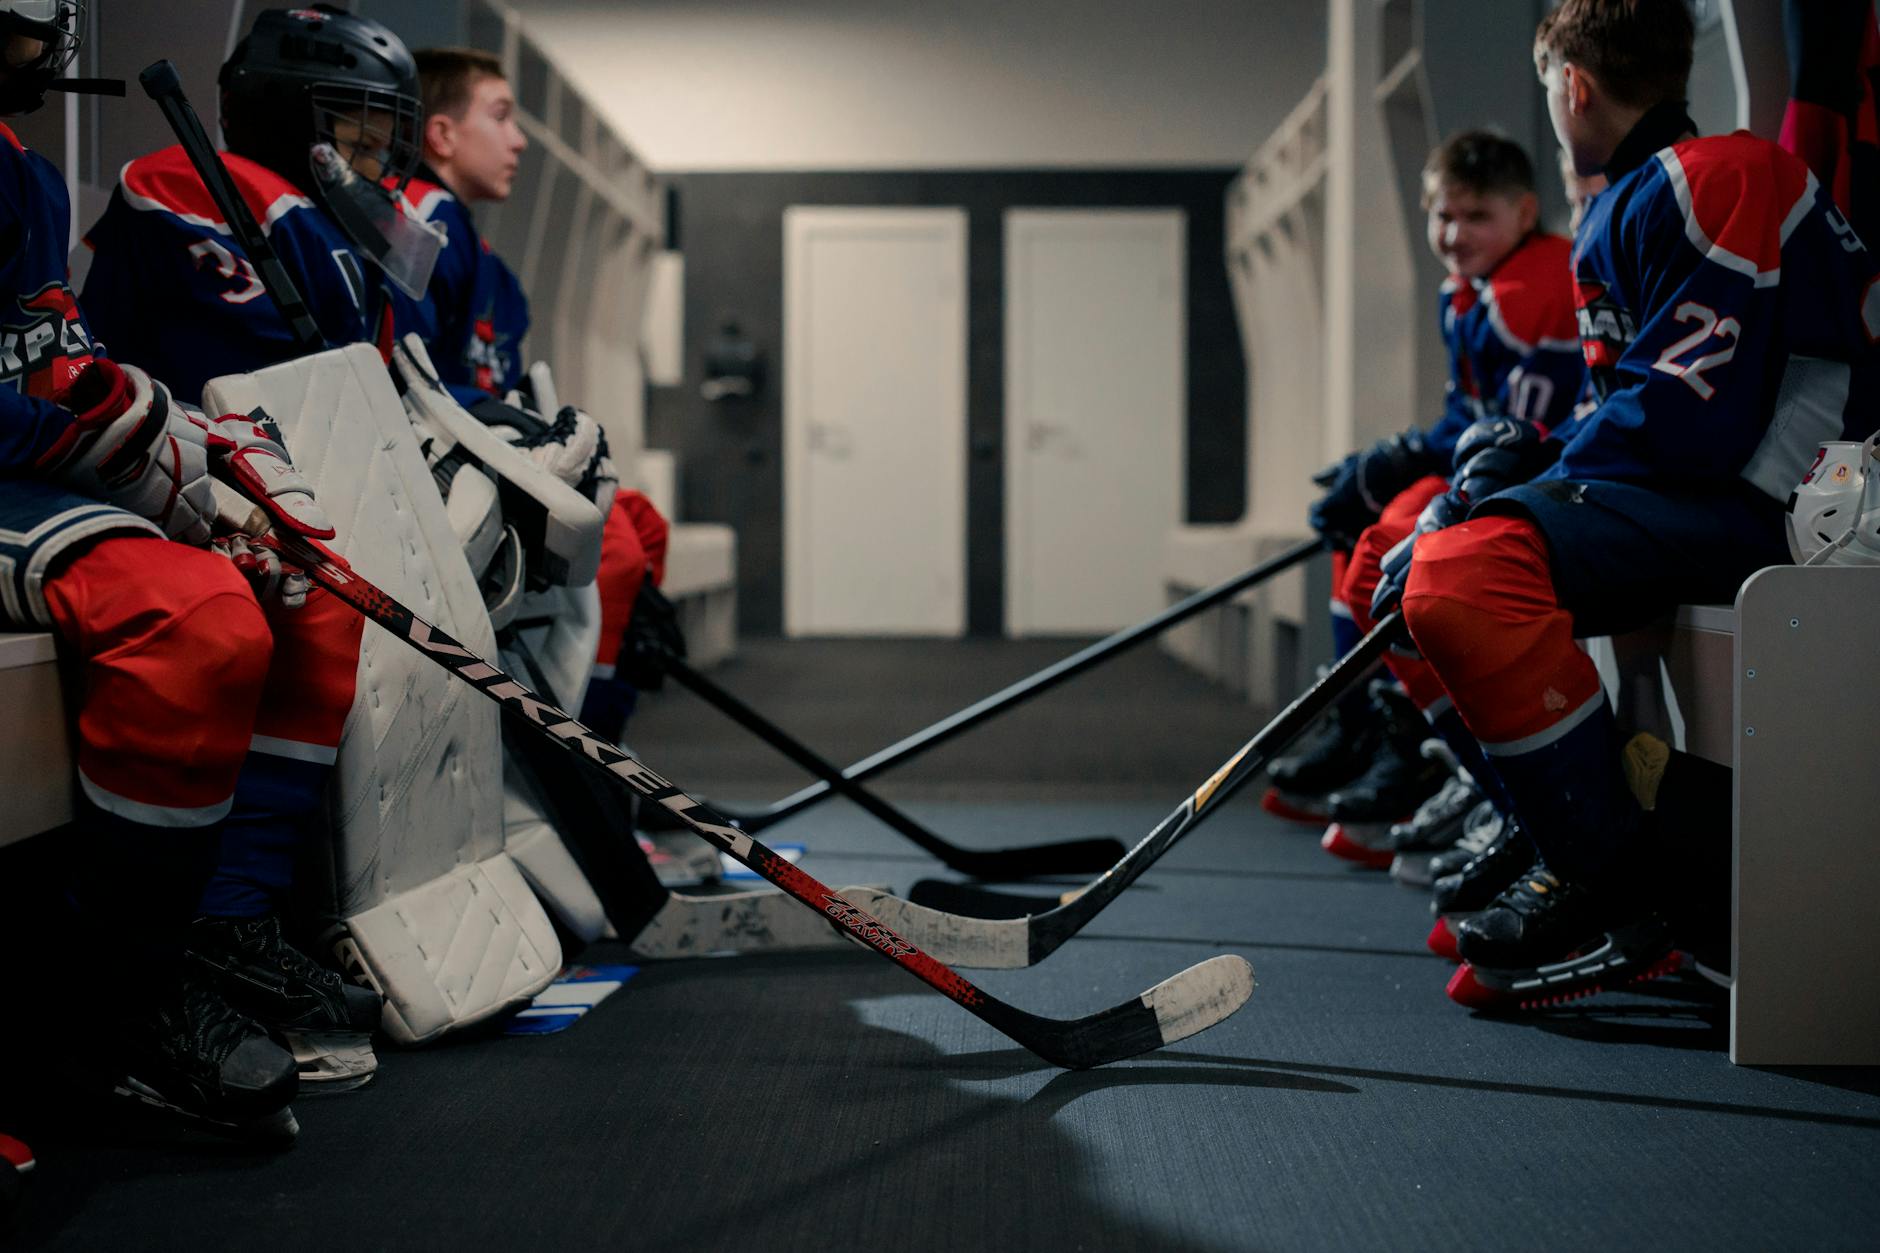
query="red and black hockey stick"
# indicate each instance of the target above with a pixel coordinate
(1174, 1009)
(1003, 940)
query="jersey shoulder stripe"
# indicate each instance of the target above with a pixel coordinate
(422, 199)
(6, 133)
(1530, 297)
(165, 182)
(1740, 198)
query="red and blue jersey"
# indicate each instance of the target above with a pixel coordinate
(44, 339)
(1514, 349)
(474, 315)
(1728, 316)
(171, 289)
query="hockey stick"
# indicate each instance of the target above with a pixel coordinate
(1011, 943)
(1174, 1009)
(1015, 694)
(1068, 857)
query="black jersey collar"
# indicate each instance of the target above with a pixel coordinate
(1661, 127)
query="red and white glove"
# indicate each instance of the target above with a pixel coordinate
(135, 448)
(259, 561)
(250, 457)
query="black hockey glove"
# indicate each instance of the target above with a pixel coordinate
(652, 635)
(1498, 453)
(1358, 488)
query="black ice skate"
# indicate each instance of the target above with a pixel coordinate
(1545, 941)
(1333, 753)
(1630, 954)
(1478, 881)
(1398, 779)
(1449, 829)
(327, 1022)
(196, 1059)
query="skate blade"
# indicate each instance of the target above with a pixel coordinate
(1442, 941)
(1347, 842)
(1604, 969)
(1293, 808)
(278, 1128)
(332, 1061)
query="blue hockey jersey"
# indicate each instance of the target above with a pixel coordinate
(1728, 314)
(474, 315)
(44, 341)
(171, 289)
(1514, 350)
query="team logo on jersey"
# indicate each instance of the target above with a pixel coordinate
(43, 343)
(489, 365)
(1607, 328)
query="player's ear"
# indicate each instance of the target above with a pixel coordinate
(1528, 211)
(1581, 87)
(440, 136)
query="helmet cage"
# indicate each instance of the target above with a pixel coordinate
(58, 26)
(378, 133)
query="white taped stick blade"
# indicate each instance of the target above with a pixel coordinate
(1200, 996)
(951, 939)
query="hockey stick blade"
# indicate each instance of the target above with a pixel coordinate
(1191, 1001)
(976, 902)
(1070, 857)
(1008, 943)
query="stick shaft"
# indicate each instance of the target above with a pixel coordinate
(1043, 681)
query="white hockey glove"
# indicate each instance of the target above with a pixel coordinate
(573, 447)
(135, 448)
(252, 458)
(259, 561)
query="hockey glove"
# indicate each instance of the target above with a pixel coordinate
(1358, 488)
(259, 561)
(248, 454)
(1498, 453)
(652, 635)
(1394, 572)
(573, 447)
(135, 448)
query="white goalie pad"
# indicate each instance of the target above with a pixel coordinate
(560, 528)
(562, 628)
(434, 908)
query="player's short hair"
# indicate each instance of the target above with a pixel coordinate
(1638, 50)
(1481, 161)
(447, 76)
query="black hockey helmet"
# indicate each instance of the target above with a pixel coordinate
(52, 25)
(330, 102)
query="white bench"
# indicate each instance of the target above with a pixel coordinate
(1257, 645)
(701, 565)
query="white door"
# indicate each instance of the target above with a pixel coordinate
(874, 416)
(1095, 411)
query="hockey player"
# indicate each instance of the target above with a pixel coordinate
(180, 665)
(475, 318)
(1722, 301)
(1506, 313)
(317, 106)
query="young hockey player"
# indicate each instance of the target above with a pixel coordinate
(317, 106)
(1506, 313)
(1722, 300)
(475, 318)
(106, 534)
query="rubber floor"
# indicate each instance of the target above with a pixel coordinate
(829, 1100)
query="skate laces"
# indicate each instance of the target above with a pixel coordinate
(1533, 892)
(1481, 828)
(262, 938)
(205, 1024)
(1454, 798)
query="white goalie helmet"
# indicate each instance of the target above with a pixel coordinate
(1834, 513)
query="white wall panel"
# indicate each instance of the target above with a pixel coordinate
(908, 84)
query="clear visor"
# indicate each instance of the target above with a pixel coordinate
(405, 248)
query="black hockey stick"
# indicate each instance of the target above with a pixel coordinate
(1068, 857)
(1009, 943)
(1174, 1009)
(161, 84)
(1017, 693)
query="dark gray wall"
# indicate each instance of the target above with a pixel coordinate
(731, 452)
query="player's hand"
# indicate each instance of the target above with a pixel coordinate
(652, 635)
(260, 562)
(132, 446)
(1498, 453)
(1394, 573)
(1358, 488)
(247, 453)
